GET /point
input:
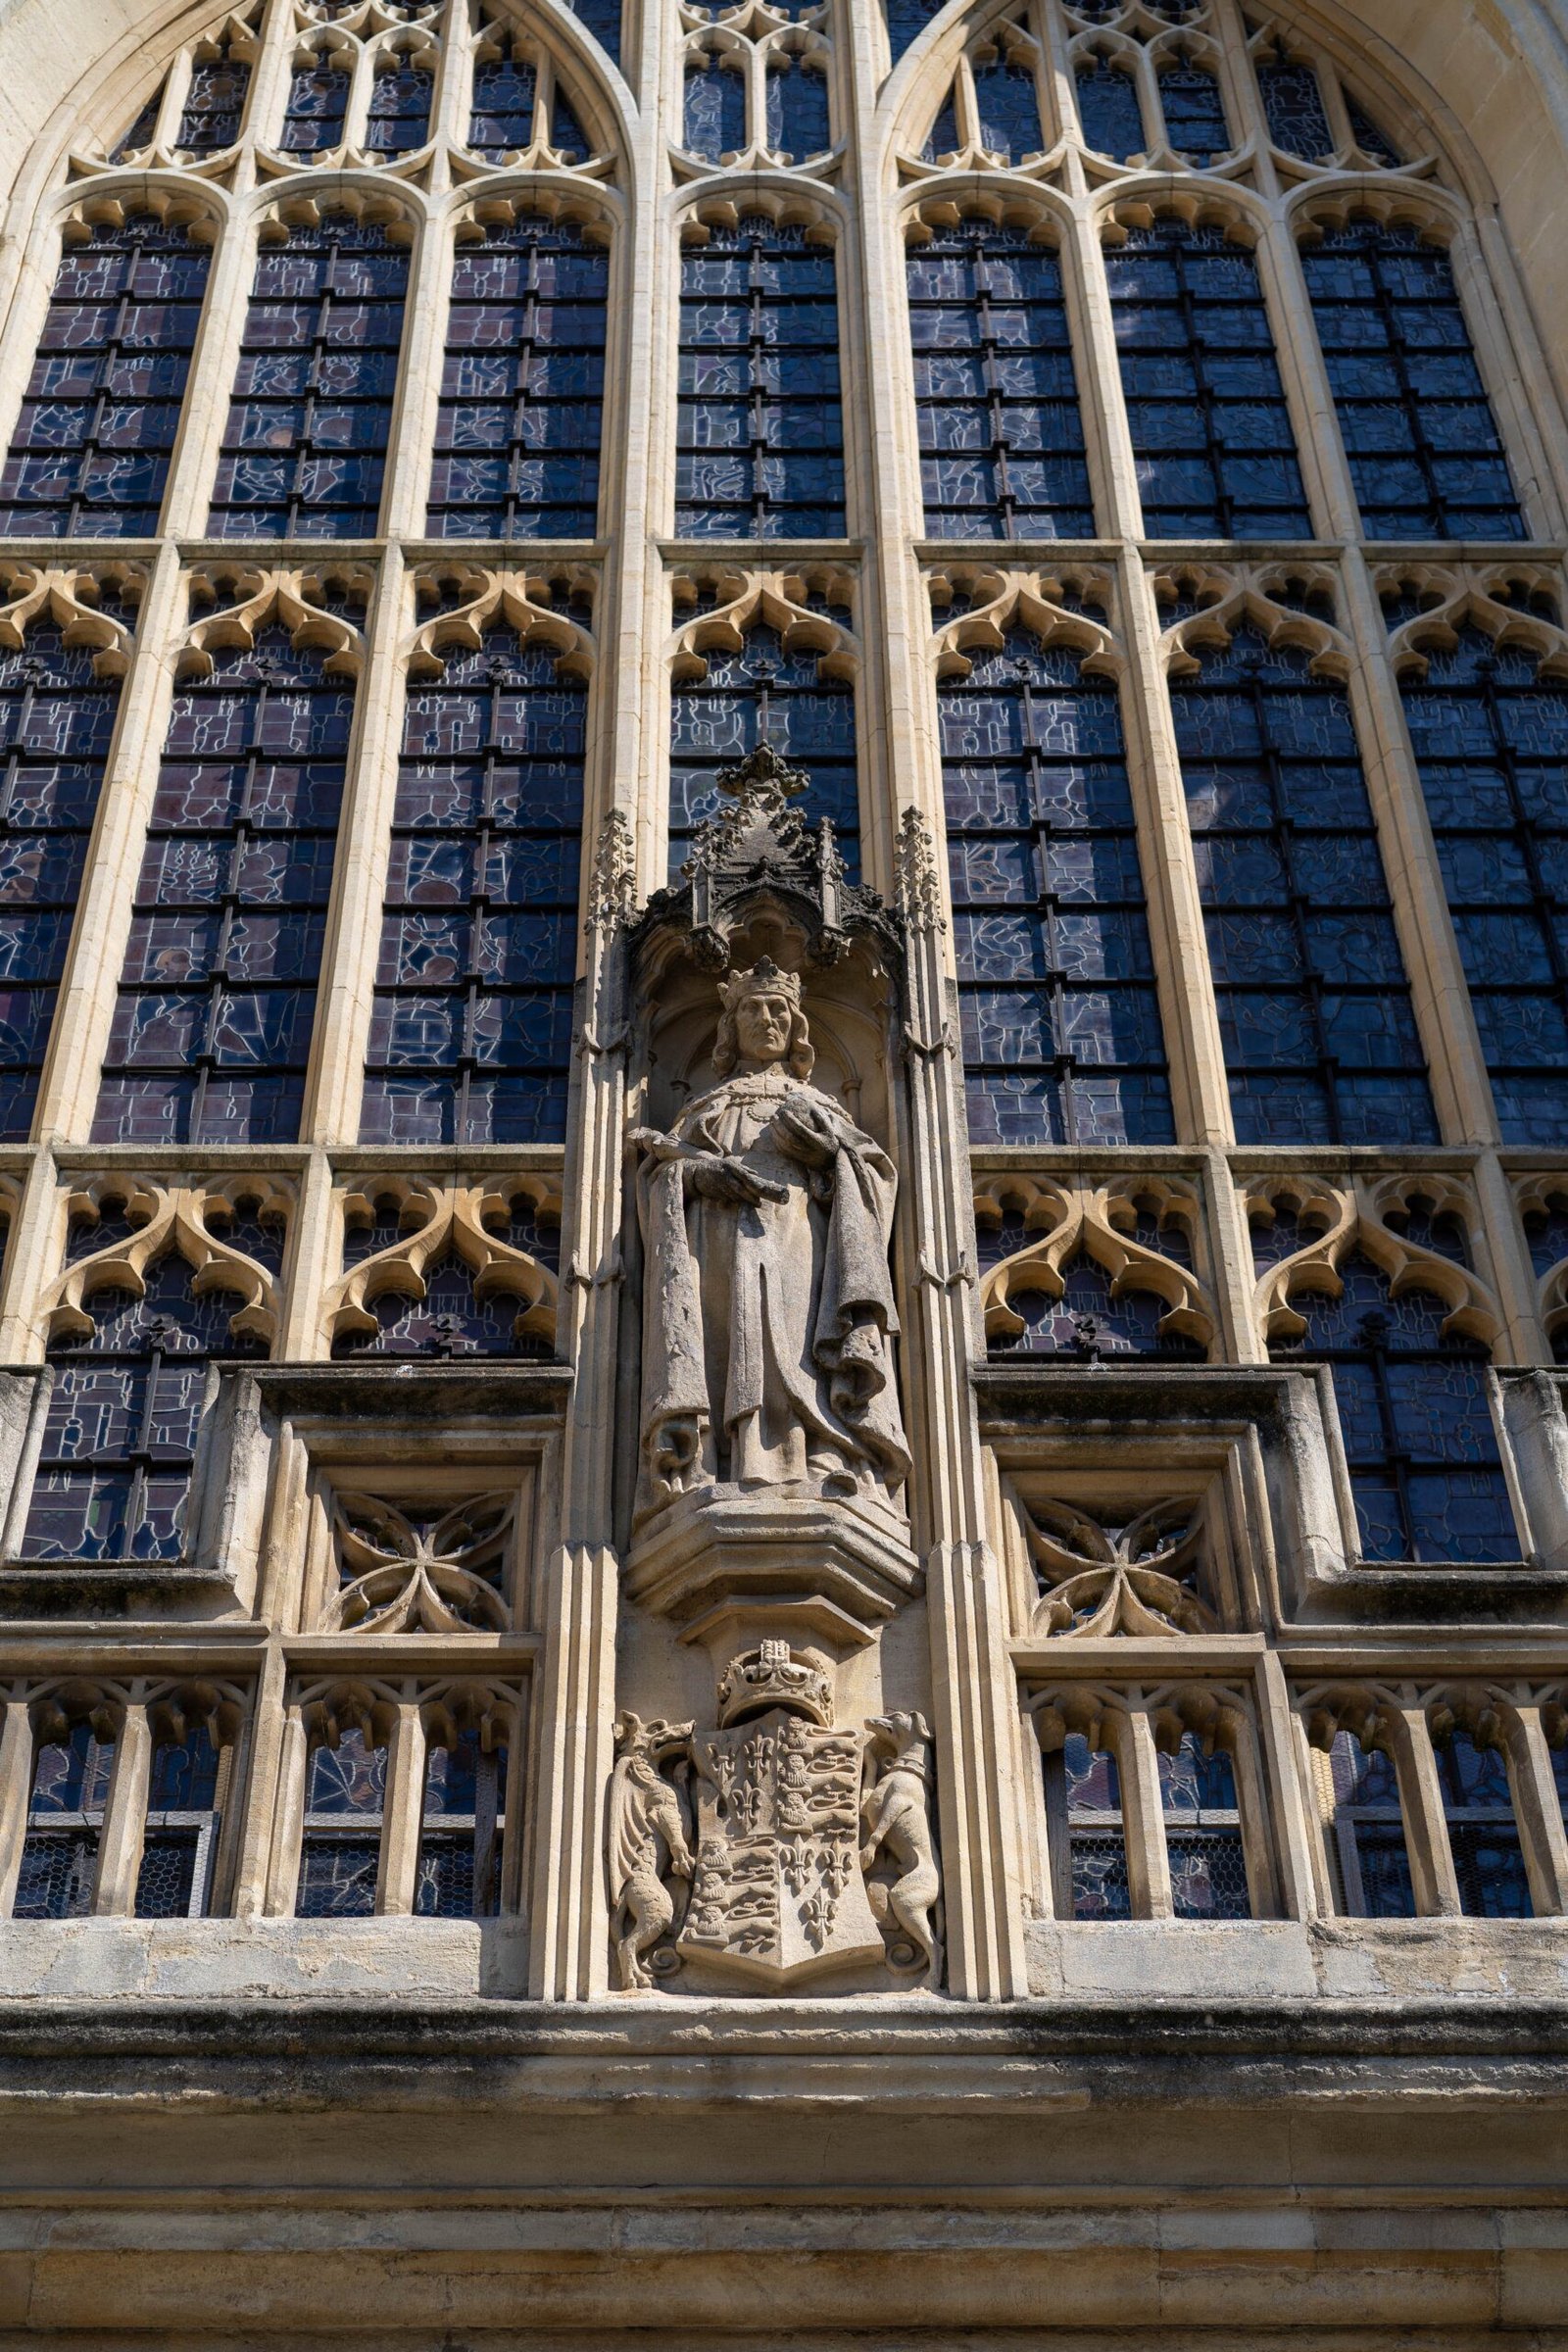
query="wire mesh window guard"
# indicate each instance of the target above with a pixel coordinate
(212, 1029)
(461, 1833)
(1367, 1852)
(65, 1822)
(1000, 428)
(472, 1031)
(1202, 1832)
(1483, 1834)
(179, 1845)
(1425, 454)
(1061, 1029)
(57, 721)
(760, 432)
(1083, 1805)
(521, 417)
(1211, 435)
(340, 1853)
(1414, 1412)
(305, 447)
(101, 411)
(1320, 1041)
(1488, 733)
(124, 1414)
(762, 694)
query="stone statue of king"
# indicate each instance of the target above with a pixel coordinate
(768, 1323)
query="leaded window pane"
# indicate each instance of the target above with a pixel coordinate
(1009, 108)
(57, 721)
(317, 102)
(797, 109)
(1483, 1834)
(907, 19)
(1414, 1415)
(125, 1411)
(451, 1319)
(602, 19)
(1211, 434)
(1425, 454)
(1488, 736)
(212, 1020)
(760, 432)
(1370, 140)
(1315, 1007)
(1000, 428)
(1202, 1832)
(1195, 112)
(501, 119)
(1097, 1839)
(942, 136)
(715, 108)
(470, 1035)
(140, 133)
(65, 1821)
(521, 416)
(214, 107)
(101, 411)
(461, 1828)
(763, 693)
(1292, 103)
(305, 447)
(179, 1841)
(1061, 1029)
(1367, 1849)
(1109, 110)
(398, 117)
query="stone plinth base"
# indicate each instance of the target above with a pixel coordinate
(833, 1568)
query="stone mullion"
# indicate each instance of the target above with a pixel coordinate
(1325, 468)
(1285, 1821)
(268, 1878)
(125, 1822)
(1143, 1815)
(1113, 468)
(315, 1260)
(271, 78)
(575, 1704)
(31, 1260)
(348, 952)
(1256, 1828)
(450, 108)
(193, 463)
(397, 1876)
(17, 1746)
(1426, 1830)
(975, 1690)
(1537, 1811)
(1229, 29)
(1513, 369)
(411, 438)
(84, 1012)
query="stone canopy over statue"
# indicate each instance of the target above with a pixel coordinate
(769, 1320)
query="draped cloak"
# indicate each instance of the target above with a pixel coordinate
(768, 1338)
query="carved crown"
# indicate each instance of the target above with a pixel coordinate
(772, 1675)
(764, 979)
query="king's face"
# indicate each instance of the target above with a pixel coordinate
(763, 1025)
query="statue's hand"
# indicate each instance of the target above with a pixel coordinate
(718, 1177)
(806, 1132)
(653, 1145)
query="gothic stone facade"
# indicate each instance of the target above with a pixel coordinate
(784, 1174)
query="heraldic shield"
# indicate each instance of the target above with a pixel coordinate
(777, 1893)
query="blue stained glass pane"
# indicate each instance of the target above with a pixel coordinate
(602, 19)
(1373, 142)
(1320, 1041)
(101, 410)
(124, 1410)
(1096, 1837)
(398, 117)
(1109, 110)
(763, 693)
(57, 721)
(759, 431)
(1009, 109)
(501, 120)
(215, 106)
(715, 109)
(1298, 121)
(1001, 431)
(907, 19)
(1195, 112)
(470, 1031)
(317, 102)
(1061, 1034)
(212, 1020)
(1488, 739)
(520, 414)
(305, 446)
(1425, 453)
(1202, 1833)
(1212, 433)
(797, 109)
(1414, 1415)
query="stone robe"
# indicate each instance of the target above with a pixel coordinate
(768, 1340)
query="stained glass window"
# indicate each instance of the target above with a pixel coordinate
(318, 104)
(1483, 1834)
(212, 1027)
(1426, 457)
(1062, 1032)
(942, 139)
(1414, 1415)
(1367, 1850)
(471, 1038)
(1373, 142)
(1195, 112)
(140, 133)
(797, 108)
(1292, 103)
(1202, 1832)
(398, 117)
(1000, 429)
(521, 416)
(602, 19)
(179, 1843)
(215, 106)
(451, 1319)
(760, 429)
(1210, 430)
(1007, 107)
(1489, 737)
(124, 1410)
(340, 1853)
(1109, 110)
(1094, 1319)
(305, 447)
(65, 1821)
(907, 19)
(101, 410)
(461, 1830)
(501, 119)
(1546, 1233)
(715, 104)
(764, 692)
(57, 721)
(1090, 1808)
(1320, 1041)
